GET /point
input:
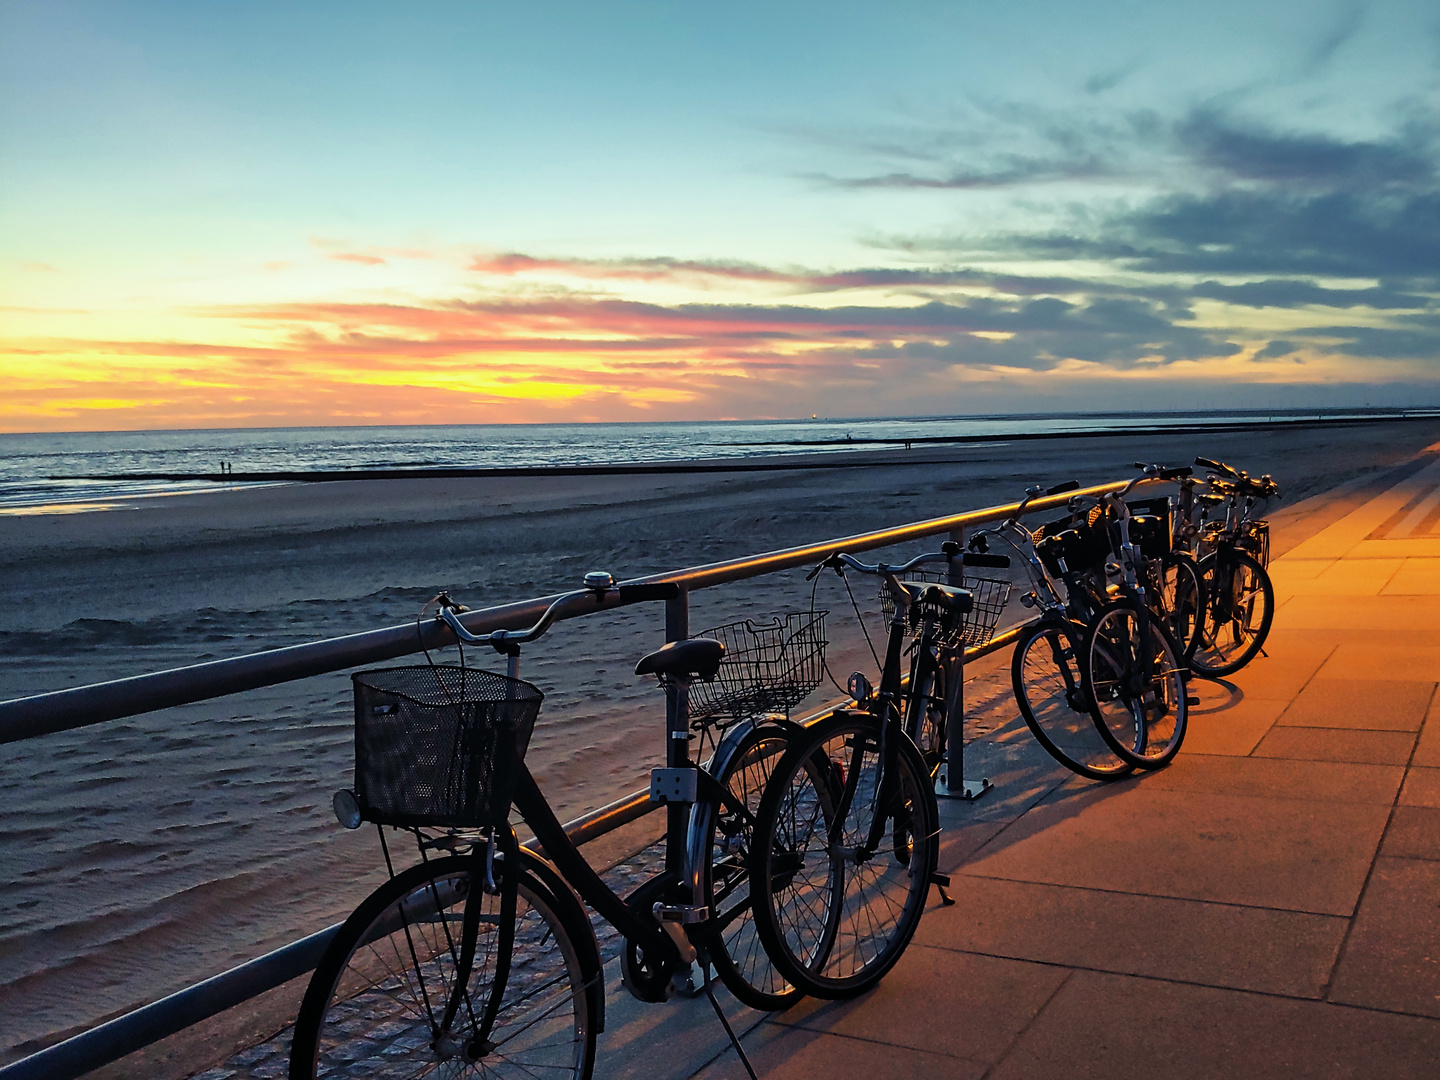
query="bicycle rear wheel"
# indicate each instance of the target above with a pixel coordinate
(843, 856)
(377, 999)
(722, 840)
(1239, 610)
(1045, 675)
(1135, 679)
(1179, 598)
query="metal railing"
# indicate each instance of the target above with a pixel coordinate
(62, 710)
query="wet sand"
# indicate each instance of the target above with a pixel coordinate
(143, 854)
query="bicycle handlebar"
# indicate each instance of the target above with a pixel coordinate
(504, 639)
(1218, 466)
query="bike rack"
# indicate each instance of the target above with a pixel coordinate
(82, 706)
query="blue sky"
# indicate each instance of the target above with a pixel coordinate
(245, 213)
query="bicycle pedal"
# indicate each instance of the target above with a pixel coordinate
(943, 880)
(1192, 701)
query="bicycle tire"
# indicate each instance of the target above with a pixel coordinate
(835, 927)
(926, 708)
(390, 968)
(1239, 610)
(720, 841)
(1142, 717)
(1179, 598)
(1045, 675)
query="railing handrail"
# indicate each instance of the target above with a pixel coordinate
(81, 706)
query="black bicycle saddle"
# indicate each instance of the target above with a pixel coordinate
(697, 658)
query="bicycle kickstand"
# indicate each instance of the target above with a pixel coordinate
(942, 883)
(734, 1040)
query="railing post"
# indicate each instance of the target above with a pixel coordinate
(677, 734)
(954, 763)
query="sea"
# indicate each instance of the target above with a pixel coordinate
(89, 471)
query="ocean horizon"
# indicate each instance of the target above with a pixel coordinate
(78, 471)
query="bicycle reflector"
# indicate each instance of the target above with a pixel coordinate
(347, 810)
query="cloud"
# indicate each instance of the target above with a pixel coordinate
(1347, 22)
(357, 257)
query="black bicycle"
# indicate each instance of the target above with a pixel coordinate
(846, 835)
(481, 960)
(1232, 557)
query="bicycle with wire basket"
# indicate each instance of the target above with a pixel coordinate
(480, 960)
(940, 638)
(1092, 692)
(846, 834)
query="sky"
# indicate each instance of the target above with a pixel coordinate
(254, 214)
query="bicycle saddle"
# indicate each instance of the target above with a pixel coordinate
(949, 598)
(697, 658)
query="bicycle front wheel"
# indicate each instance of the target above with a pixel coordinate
(843, 856)
(377, 1001)
(1134, 678)
(1045, 675)
(743, 764)
(1239, 610)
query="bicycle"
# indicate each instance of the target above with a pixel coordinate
(1045, 666)
(846, 835)
(1232, 556)
(483, 960)
(939, 640)
(1132, 670)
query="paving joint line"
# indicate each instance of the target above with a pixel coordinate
(1025, 1029)
(1155, 896)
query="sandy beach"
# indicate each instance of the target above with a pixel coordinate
(144, 854)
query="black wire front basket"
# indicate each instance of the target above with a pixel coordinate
(972, 629)
(765, 669)
(439, 745)
(1254, 537)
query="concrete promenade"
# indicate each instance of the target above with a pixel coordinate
(1267, 906)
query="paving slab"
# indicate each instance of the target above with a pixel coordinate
(1377, 704)
(1392, 959)
(788, 1053)
(1334, 744)
(1295, 854)
(1413, 833)
(1225, 719)
(1416, 577)
(1280, 779)
(1392, 613)
(1344, 577)
(1421, 788)
(1281, 952)
(1113, 1027)
(973, 1006)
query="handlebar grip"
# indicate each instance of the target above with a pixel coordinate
(663, 590)
(1178, 473)
(1068, 485)
(976, 558)
(1218, 466)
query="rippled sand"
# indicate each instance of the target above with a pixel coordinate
(142, 854)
